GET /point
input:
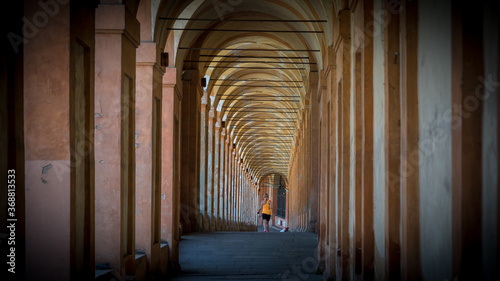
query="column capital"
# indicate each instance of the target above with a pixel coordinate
(147, 54)
(117, 19)
(204, 98)
(170, 77)
(330, 61)
(218, 123)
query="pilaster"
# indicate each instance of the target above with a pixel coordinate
(170, 163)
(210, 170)
(148, 109)
(117, 37)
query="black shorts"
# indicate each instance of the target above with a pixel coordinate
(266, 217)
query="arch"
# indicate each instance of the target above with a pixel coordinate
(242, 82)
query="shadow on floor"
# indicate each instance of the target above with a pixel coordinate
(248, 256)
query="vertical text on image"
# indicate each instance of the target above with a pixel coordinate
(11, 219)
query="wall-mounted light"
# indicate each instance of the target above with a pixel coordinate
(164, 59)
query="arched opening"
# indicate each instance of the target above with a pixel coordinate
(135, 124)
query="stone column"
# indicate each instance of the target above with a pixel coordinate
(368, 239)
(241, 193)
(170, 164)
(314, 158)
(226, 177)
(468, 97)
(222, 175)
(248, 200)
(410, 137)
(323, 168)
(52, 76)
(227, 201)
(216, 195)
(148, 119)
(203, 164)
(257, 202)
(331, 95)
(254, 204)
(238, 191)
(233, 190)
(210, 170)
(229, 183)
(392, 149)
(191, 150)
(117, 37)
(243, 201)
(345, 104)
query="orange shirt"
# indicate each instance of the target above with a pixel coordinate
(266, 209)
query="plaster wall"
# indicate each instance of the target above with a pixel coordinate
(167, 199)
(357, 33)
(115, 66)
(47, 144)
(324, 140)
(144, 158)
(314, 144)
(107, 138)
(490, 141)
(378, 144)
(48, 216)
(434, 84)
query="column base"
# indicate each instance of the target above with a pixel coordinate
(206, 223)
(213, 224)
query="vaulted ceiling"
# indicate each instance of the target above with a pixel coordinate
(257, 57)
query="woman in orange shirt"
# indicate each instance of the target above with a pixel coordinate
(266, 212)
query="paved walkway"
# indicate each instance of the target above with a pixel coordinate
(248, 256)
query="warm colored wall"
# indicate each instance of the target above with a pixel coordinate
(323, 181)
(172, 210)
(47, 144)
(58, 121)
(313, 144)
(148, 140)
(115, 66)
(192, 193)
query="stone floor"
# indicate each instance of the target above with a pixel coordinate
(248, 256)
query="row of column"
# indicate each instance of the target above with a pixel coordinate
(102, 122)
(298, 210)
(380, 140)
(303, 183)
(228, 197)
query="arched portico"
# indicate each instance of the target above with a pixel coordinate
(133, 123)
